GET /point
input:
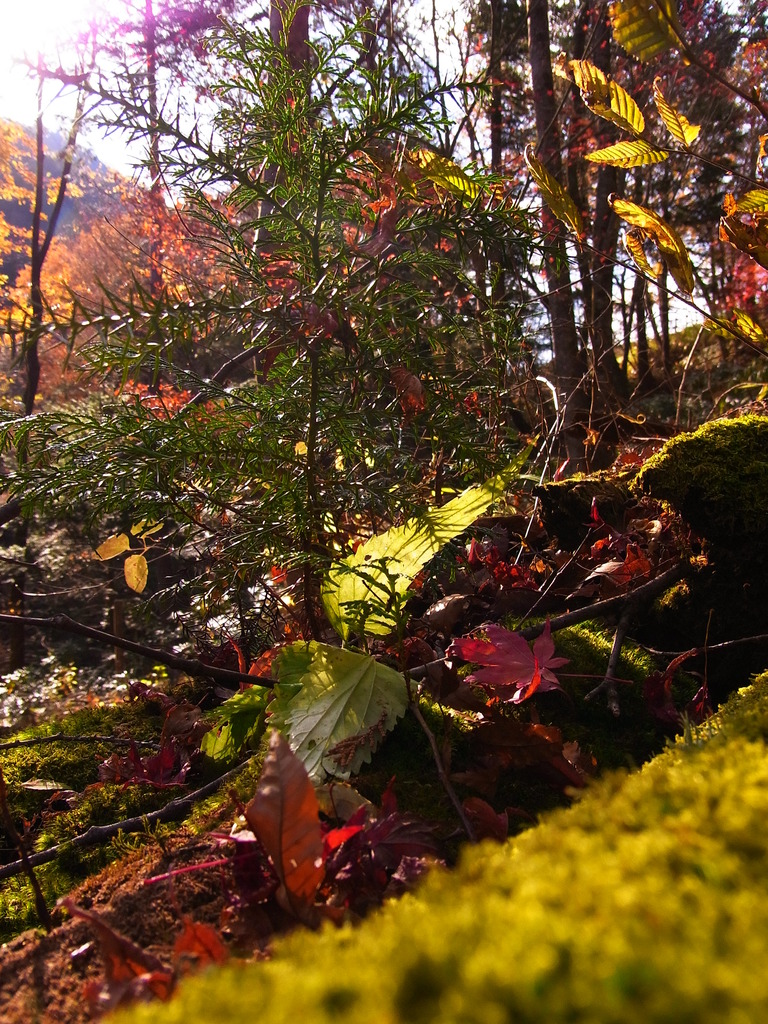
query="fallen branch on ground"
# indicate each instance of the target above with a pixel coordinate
(60, 737)
(192, 666)
(172, 811)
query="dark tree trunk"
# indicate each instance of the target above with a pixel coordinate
(570, 365)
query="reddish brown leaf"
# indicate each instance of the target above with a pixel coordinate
(284, 814)
(200, 942)
(130, 972)
(485, 821)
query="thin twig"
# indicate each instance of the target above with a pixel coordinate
(447, 786)
(608, 685)
(191, 666)
(172, 811)
(25, 863)
(60, 737)
(597, 610)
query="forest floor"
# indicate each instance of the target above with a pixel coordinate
(171, 899)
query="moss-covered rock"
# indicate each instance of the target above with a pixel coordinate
(646, 902)
(717, 478)
(566, 505)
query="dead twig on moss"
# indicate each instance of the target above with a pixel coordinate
(60, 737)
(96, 834)
(608, 684)
(25, 861)
(192, 666)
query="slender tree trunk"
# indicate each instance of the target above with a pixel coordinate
(570, 365)
(39, 245)
(155, 174)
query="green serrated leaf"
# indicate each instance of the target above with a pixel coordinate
(358, 592)
(334, 706)
(645, 28)
(238, 723)
(113, 546)
(679, 127)
(445, 174)
(136, 572)
(553, 194)
(606, 98)
(628, 154)
(667, 240)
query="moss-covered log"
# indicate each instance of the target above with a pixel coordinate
(645, 902)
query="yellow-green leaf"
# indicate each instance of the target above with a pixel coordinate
(113, 546)
(669, 243)
(607, 99)
(445, 174)
(749, 238)
(553, 194)
(679, 127)
(754, 201)
(136, 572)
(359, 592)
(145, 528)
(645, 28)
(628, 154)
(749, 328)
(633, 243)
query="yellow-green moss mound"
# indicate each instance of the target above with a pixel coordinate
(717, 477)
(645, 902)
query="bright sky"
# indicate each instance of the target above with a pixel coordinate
(31, 26)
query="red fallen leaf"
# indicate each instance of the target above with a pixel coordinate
(657, 691)
(284, 815)
(201, 942)
(159, 770)
(512, 670)
(485, 821)
(130, 972)
(388, 803)
(184, 722)
(699, 708)
(262, 666)
(333, 839)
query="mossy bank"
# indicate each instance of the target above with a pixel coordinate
(645, 902)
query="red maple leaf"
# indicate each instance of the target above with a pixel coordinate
(511, 669)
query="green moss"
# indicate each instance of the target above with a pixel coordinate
(716, 477)
(644, 903)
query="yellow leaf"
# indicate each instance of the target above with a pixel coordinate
(754, 201)
(679, 127)
(645, 28)
(628, 154)
(749, 328)
(113, 546)
(445, 174)
(605, 98)
(300, 448)
(553, 194)
(633, 242)
(145, 528)
(668, 241)
(136, 572)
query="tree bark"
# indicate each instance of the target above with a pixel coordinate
(570, 365)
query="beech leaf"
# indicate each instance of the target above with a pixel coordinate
(136, 572)
(284, 815)
(358, 593)
(113, 546)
